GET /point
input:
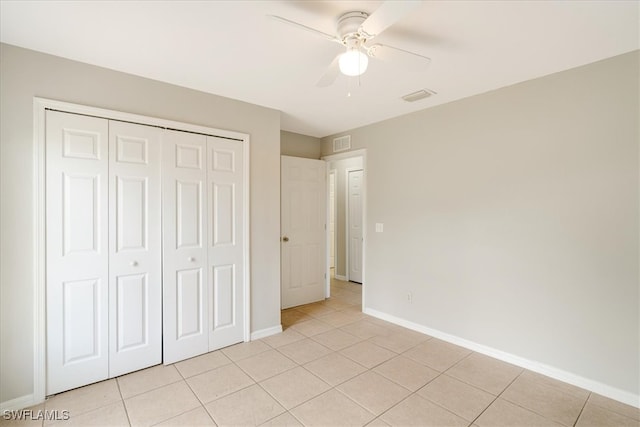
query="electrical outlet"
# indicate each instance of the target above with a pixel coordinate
(410, 297)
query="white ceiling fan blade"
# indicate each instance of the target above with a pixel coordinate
(304, 27)
(403, 58)
(331, 74)
(386, 15)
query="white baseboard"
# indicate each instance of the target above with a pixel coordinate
(550, 371)
(343, 278)
(263, 333)
(18, 403)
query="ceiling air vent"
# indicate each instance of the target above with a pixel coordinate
(416, 96)
(342, 143)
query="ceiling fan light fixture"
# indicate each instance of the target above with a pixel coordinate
(353, 62)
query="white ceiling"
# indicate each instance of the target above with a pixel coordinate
(231, 48)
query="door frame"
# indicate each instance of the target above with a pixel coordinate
(341, 156)
(40, 105)
(347, 224)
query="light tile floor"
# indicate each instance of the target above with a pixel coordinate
(335, 366)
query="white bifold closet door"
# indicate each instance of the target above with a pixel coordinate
(135, 248)
(103, 249)
(77, 168)
(203, 193)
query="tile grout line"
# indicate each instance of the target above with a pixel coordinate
(188, 410)
(356, 403)
(152, 389)
(100, 406)
(636, 419)
(441, 373)
(474, 385)
(301, 403)
(203, 404)
(535, 411)
(276, 400)
(497, 397)
(402, 400)
(124, 405)
(582, 409)
(274, 375)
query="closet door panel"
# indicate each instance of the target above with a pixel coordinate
(135, 278)
(225, 241)
(189, 303)
(185, 251)
(77, 250)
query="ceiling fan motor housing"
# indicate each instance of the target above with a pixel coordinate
(349, 25)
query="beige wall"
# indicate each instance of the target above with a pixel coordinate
(297, 145)
(25, 74)
(512, 218)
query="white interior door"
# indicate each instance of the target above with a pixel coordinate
(226, 251)
(303, 221)
(135, 282)
(77, 250)
(185, 272)
(332, 218)
(354, 182)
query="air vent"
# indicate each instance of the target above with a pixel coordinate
(416, 96)
(342, 143)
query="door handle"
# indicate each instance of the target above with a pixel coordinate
(191, 259)
(285, 239)
(133, 263)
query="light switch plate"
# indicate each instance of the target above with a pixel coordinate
(379, 227)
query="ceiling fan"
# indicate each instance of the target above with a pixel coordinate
(355, 30)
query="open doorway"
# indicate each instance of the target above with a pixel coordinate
(345, 299)
(346, 234)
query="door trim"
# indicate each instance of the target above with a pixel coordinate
(40, 105)
(347, 155)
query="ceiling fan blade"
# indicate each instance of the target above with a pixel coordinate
(390, 12)
(331, 74)
(403, 58)
(304, 27)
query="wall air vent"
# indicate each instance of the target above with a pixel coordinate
(416, 96)
(342, 143)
